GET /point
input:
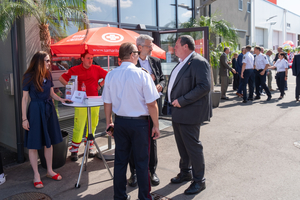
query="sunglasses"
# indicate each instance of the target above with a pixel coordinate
(138, 52)
(47, 61)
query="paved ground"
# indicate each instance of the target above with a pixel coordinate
(249, 153)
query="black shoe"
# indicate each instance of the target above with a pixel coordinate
(225, 98)
(244, 101)
(250, 99)
(281, 97)
(257, 97)
(154, 179)
(195, 188)
(132, 181)
(74, 156)
(269, 98)
(128, 197)
(92, 153)
(181, 178)
(297, 99)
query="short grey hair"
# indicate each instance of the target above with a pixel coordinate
(243, 48)
(142, 38)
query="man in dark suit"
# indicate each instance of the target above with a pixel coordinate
(296, 72)
(153, 66)
(224, 67)
(188, 100)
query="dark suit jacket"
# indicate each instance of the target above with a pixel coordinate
(296, 65)
(224, 67)
(192, 90)
(156, 69)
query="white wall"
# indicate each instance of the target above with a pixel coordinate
(263, 11)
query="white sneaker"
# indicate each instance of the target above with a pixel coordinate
(2, 179)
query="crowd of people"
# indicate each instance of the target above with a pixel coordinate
(252, 67)
(130, 92)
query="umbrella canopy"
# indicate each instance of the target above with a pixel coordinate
(104, 41)
(288, 43)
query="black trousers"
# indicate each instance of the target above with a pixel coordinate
(190, 150)
(1, 165)
(297, 93)
(131, 135)
(236, 81)
(260, 80)
(280, 77)
(153, 155)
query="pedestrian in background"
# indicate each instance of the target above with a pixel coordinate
(131, 94)
(236, 76)
(239, 65)
(269, 71)
(247, 74)
(40, 121)
(261, 65)
(296, 72)
(224, 74)
(282, 72)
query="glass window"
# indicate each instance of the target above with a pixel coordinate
(138, 12)
(185, 9)
(167, 16)
(102, 10)
(240, 4)
(249, 7)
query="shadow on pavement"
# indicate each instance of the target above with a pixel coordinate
(288, 104)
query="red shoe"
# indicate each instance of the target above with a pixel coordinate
(38, 185)
(55, 177)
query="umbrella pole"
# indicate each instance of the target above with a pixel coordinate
(107, 63)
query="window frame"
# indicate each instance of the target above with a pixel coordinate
(249, 7)
(240, 3)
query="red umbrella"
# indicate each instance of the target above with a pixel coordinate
(104, 41)
(289, 43)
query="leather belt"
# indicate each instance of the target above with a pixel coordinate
(140, 117)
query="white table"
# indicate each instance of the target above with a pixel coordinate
(94, 102)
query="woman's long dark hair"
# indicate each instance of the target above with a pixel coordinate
(37, 70)
(283, 54)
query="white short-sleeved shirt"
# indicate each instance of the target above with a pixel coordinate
(281, 65)
(249, 60)
(129, 88)
(261, 61)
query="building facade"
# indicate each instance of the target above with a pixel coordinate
(274, 25)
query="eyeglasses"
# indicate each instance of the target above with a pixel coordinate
(149, 46)
(138, 52)
(47, 61)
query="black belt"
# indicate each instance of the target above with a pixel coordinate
(140, 117)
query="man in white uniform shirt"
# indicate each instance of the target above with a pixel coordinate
(247, 71)
(130, 93)
(153, 66)
(261, 66)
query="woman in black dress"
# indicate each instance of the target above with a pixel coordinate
(40, 120)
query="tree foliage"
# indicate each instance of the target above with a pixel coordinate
(53, 16)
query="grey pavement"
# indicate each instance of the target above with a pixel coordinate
(248, 148)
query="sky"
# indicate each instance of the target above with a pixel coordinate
(290, 5)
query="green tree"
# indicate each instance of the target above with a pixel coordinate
(53, 17)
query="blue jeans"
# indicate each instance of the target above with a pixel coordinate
(248, 77)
